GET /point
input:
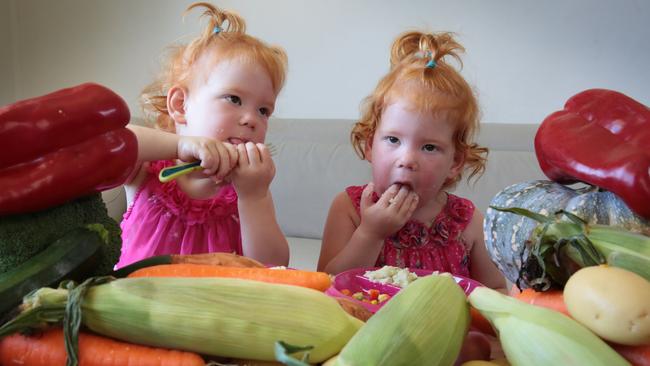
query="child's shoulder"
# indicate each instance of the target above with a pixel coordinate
(141, 174)
(345, 205)
(354, 192)
(348, 198)
(465, 210)
(460, 208)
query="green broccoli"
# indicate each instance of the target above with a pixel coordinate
(24, 235)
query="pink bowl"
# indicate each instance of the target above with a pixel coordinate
(354, 281)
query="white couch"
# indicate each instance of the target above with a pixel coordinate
(315, 161)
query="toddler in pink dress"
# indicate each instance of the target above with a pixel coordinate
(415, 131)
(211, 103)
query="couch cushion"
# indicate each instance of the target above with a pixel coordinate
(315, 161)
(304, 253)
(115, 200)
(511, 160)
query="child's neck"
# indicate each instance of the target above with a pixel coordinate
(199, 188)
(427, 212)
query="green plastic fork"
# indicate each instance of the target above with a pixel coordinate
(172, 172)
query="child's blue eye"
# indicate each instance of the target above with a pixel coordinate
(233, 99)
(392, 139)
(429, 147)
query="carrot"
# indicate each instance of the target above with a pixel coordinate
(636, 355)
(478, 322)
(48, 349)
(552, 299)
(317, 280)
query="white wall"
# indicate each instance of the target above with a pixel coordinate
(524, 57)
(7, 94)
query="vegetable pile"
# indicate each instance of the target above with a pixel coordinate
(63, 148)
(581, 256)
(581, 250)
(539, 233)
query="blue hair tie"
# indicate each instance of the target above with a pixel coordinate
(216, 30)
(431, 64)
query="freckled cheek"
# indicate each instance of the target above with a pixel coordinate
(260, 134)
(381, 174)
(215, 130)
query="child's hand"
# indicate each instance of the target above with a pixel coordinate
(393, 209)
(218, 158)
(254, 171)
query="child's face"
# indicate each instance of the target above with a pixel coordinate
(231, 102)
(413, 149)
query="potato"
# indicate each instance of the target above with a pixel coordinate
(614, 303)
(479, 363)
(501, 362)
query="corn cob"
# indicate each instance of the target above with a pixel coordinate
(424, 324)
(621, 248)
(532, 335)
(215, 316)
(564, 241)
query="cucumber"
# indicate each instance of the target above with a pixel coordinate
(72, 256)
(147, 262)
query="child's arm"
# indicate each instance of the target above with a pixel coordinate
(262, 238)
(154, 144)
(216, 157)
(344, 246)
(482, 268)
(350, 241)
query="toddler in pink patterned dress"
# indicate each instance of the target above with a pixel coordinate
(212, 103)
(416, 132)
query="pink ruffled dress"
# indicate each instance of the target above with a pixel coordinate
(436, 248)
(163, 220)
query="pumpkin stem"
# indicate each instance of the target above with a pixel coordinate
(527, 213)
(555, 250)
(587, 188)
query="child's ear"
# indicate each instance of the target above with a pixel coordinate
(176, 97)
(457, 167)
(367, 149)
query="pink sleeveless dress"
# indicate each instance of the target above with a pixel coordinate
(436, 248)
(164, 220)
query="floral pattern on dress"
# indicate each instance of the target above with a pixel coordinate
(163, 219)
(418, 246)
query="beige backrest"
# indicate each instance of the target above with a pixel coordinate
(315, 160)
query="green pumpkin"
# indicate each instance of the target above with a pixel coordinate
(506, 234)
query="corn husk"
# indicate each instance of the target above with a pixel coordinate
(535, 336)
(214, 316)
(424, 324)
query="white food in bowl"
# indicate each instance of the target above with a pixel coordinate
(396, 276)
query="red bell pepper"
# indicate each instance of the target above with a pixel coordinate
(63, 145)
(602, 138)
